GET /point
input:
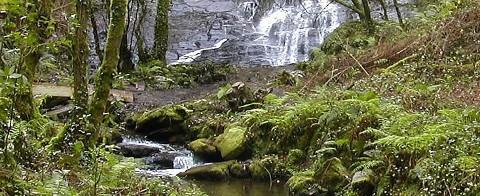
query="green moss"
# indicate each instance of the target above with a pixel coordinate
(239, 170)
(160, 117)
(303, 183)
(232, 143)
(296, 156)
(203, 147)
(215, 171)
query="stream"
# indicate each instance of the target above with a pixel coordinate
(168, 160)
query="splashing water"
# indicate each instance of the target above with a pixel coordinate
(291, 31)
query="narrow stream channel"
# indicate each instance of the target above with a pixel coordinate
(167, 160)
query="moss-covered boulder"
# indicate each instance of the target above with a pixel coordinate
(332, 175)
(232, 143)
(363, 182)
(304, 183)
(268, 167)
(215, 171)
(205, 149)
(239, 170)
(165, 123)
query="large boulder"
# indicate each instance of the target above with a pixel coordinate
(136, 150)
(165, 123)
(214, 171)
(205, 149)
(232, 143)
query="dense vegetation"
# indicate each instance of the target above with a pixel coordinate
(382, 108)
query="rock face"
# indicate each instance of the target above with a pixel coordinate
(232, 143)
(241, 32)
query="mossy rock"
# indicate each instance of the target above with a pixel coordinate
(296, 156)
(204, 148)
(363, 182)
(215, 171)
(232, 143)
(258, 171)
(304, 183)
(332, 174)
(268, 167)
(239, 170)
(160, 118)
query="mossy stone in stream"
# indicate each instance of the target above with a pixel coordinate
(258, 171)
(239, 170)
(215, 171)
(204, 148)
(232, 143)
(303, 184)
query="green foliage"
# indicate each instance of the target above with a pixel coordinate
(157, 74)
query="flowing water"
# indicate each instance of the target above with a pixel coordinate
(282, 33)
(290, 30)
(184, 159)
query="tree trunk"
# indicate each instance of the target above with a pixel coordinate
(104, 78)
(368, 17)
(399, 14)
(98, 50)
(38, 34)
(161, 30)
(77, 123)
(384, 8)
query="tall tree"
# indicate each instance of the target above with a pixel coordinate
(161, 30)
(37, 35)
(104, 78)
(77, 123)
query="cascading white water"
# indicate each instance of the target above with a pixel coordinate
(183, 162)
(290, 31)
(190, 57)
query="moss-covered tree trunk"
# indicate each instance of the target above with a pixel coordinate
(104, 78)
(37, 35)
(161, 30)
(80, 65)
(399, 13)
(370, 25)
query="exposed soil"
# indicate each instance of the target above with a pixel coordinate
(255, 77)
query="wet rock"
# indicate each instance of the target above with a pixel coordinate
(214, 171)
(137, 150)
(205, 149)
(162, 160)
(232, 143)
(239, 170)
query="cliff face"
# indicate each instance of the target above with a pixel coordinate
(241, 32)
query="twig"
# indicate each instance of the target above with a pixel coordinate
(358, 62)
(336, 75)
(269, 175)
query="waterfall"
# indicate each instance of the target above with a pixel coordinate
(183, 162)
(190, 57)
(290, 31)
